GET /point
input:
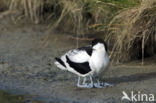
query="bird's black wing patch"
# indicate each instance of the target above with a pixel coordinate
(88, 49)
(82, 68)
(60, 61)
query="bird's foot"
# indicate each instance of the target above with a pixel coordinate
(105, 84)
(97, 85)
(84, 85)
(102, 84)
(91, 85)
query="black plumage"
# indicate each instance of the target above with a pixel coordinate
(88, 49)
(82, 68)
(60, 61)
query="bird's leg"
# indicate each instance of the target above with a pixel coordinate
(84, 81)
(78, 81)
(105, 84)
(91, 85)
(79, 85)
(98, 84)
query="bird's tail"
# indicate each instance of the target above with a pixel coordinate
(60, 64)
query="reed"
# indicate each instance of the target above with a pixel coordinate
(130, 23)
(134, 32)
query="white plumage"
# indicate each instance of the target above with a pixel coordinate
(90, 61)
(76, 56)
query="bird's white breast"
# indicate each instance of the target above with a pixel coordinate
(99, 61)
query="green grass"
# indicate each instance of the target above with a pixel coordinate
(123, 3)
(7, 98)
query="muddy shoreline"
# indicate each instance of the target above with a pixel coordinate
(26, 67)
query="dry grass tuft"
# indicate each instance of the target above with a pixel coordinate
(30, 8)
(72, 16)
(134, 32)
(4, 4)
(79, 16)
(75, 16)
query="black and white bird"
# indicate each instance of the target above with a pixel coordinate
(91, 61)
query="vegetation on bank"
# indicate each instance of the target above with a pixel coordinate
(77, 16)
(8, 98)
(127, 25)
(134, 32)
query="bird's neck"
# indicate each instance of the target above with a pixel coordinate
(98, 53)
(98, 60)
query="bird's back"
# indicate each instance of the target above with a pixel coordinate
(76, 61)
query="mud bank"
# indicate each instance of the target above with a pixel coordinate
(26, 67)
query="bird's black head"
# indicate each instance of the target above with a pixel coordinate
(97, 40)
